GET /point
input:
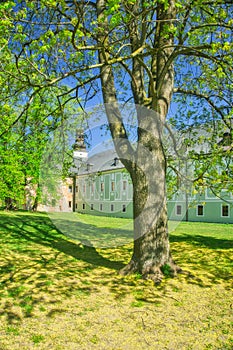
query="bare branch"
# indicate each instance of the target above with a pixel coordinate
(203, 96)
(27, 105)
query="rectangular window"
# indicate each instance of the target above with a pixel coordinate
(92, 206)
(123, 208)
(101, 207)
(70, 188)
(70, 204)
(124, 185)
(225, 210)
(76, 188)
(84, 188)
(76, 205)
(178, 210)
(200, 210)
(84, 206)
(92, 187)
(112, 207)
(102, 187)
(112, 186)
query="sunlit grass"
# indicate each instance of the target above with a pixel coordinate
(58, 293)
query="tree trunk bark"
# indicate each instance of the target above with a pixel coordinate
(151, 254)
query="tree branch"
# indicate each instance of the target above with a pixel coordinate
(203, 96)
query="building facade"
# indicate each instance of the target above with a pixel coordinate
(100, 185)
(104, 187)
(205, 207)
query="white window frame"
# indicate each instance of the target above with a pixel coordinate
(181, 209)
(124, 185)
(92, 188)
(200, 205)
(225, 205)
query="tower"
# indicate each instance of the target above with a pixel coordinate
(79, 147)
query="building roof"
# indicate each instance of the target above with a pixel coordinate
(103, 161)
(108, 160)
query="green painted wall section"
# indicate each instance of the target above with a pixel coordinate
(111, 193)
(106, 209)
(105, 194)
(212, 211)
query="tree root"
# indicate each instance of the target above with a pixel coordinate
(130, 268)
(152, 272)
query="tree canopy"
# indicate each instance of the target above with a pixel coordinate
(171, 57)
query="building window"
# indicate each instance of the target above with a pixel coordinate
(76, 205)
(84, 188)
(102, 187)
(112, 186)
(123, 208)
(101, 207)
(112, 207)
(178, 210)
(200, 210)
(225, 210)
(124, 185)
(76, 188)
(84, 206)
(70, 204)
(70, 188)
(92, 187)
(92, 206)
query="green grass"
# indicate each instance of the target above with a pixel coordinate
(64, 292)
(97, 231)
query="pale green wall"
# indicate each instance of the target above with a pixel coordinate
(119, 197)
(212, 211)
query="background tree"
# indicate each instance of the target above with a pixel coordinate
(150, 52)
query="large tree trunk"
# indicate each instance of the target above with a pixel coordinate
(146, 164)
(151, 254)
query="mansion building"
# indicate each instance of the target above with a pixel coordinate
(100, 185)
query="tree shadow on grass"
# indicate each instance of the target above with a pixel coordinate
(53, 266)
(34, 264)
(203, 241)
(209, 259)
(91, 234)
(41, 230)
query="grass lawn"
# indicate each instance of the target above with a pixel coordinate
(60, 292)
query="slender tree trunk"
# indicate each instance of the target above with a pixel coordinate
(10, 204)
(35, 204)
